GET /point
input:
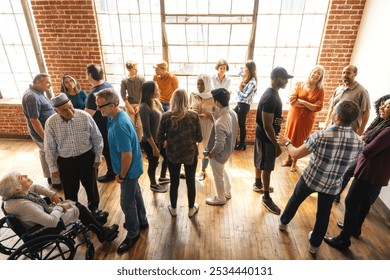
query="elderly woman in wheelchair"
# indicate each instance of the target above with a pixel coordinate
(23, 199)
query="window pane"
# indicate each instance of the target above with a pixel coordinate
(269, 7)
(178, 54)
(219, 34)
(217, 8)
(216, 53)
(264, 58)
(197, 34)
(198, 7)
(316, 6)
(175, 6)
(176, 33)
(241, 34)
(237, 54)
(267, 30)
(197, 54)
(5, 6)
(289, 31)
(309, 35)
(293, 6)
(238, 7)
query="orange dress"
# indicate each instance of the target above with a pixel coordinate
(300, 121)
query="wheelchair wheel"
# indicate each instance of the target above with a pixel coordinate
(47, 247)
(90, 253)
(9, 241)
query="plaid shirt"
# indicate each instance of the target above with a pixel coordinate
(71, 138)
(332, 151)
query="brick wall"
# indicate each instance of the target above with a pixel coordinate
(69, 37)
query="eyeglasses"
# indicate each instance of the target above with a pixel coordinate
(102, 106)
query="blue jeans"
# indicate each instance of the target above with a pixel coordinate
(165, 105)
(324, 206)
(133, 207)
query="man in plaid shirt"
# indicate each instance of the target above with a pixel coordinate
(331, 152)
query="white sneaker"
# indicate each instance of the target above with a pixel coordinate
(215, 200)
(192, 211)
(282, 226)
(172, 211)
(312, 249)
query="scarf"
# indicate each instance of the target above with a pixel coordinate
(375, 128)
(36, 198)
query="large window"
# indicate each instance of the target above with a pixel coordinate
(193, 35)
(129, 29)
(288, 34)
(18, 62)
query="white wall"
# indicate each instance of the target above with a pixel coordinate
(372, 57)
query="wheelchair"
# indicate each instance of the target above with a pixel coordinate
(40, 243)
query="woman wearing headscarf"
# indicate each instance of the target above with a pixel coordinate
(202, 102)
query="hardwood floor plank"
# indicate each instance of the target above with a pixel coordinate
(239, 230)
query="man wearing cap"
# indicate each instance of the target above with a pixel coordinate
(95, 77)
(221, 145)
(37, 109)
(268, 121)
(73, 146)
(166, 81)
(131, 87)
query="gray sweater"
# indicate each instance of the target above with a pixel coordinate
(223, 135)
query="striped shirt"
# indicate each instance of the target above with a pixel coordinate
(247, 93)
(332, 151)
(71, 138)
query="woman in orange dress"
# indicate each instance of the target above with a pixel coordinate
(305, 100)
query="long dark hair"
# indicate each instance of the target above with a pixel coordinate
(251, 65)
(148, 88)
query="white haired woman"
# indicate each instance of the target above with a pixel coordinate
(24, 200)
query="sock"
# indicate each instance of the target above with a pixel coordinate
(258, 183)
(266, 195)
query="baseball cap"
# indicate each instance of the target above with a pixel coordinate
(281, 73)
(161, 63)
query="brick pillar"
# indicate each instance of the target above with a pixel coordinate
(69, 37)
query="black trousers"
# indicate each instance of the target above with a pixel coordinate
(174, 173)
(106, 154)
(78, 169)
(153, 162)
(242, 110)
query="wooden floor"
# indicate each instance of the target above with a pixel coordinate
(241, 229)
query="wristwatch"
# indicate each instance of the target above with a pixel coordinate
(287, 143)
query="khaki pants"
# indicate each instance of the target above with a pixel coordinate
(136, 119)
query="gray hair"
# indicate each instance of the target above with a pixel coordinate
(39, 78)
(109, 95)
(9, 185)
